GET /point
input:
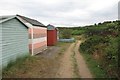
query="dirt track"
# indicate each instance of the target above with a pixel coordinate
(83, 69)
(67, 68)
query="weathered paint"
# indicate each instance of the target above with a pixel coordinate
(39, 41)
(14, 41)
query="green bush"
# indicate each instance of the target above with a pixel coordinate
(66, 33)
(111, 56)
(77, 32)
(104, 39)
(89, 45)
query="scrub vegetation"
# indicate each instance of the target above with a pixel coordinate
(102, 43)
(100, 47)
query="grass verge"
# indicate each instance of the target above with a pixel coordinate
(94, 67)
(64, 46)
(32, 67)
(18, 61)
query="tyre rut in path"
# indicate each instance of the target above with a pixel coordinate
(66, 70)
(83, 69)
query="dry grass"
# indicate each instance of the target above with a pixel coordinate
(33, 67)
(36, 66)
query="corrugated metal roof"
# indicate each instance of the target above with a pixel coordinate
(32, 21)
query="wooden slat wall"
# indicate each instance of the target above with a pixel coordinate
(14, 41)
(39, 39)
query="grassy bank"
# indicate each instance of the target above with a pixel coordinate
(100, 49)
(94, 67)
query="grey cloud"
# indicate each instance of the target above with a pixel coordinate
(61, 13)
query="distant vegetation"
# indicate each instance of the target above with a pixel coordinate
(65, 33)
(74, 30)
(102, 42)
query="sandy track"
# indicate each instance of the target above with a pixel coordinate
(66, 70)
(83, 69)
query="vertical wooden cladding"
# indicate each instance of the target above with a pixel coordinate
(39, 40)
(51, 37)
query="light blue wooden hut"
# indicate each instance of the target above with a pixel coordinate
(13, 39)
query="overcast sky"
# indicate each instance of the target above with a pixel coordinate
(63, 12)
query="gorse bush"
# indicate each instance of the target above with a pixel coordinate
(104, 39)
(109, 53)
(89, 45)
(112, 48)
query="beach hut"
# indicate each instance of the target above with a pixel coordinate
(52, 35)
(37, 35)
(13, 39)
(20, 36)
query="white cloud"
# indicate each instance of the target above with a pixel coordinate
(62, 12)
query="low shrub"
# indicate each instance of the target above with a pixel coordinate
(89, 45)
